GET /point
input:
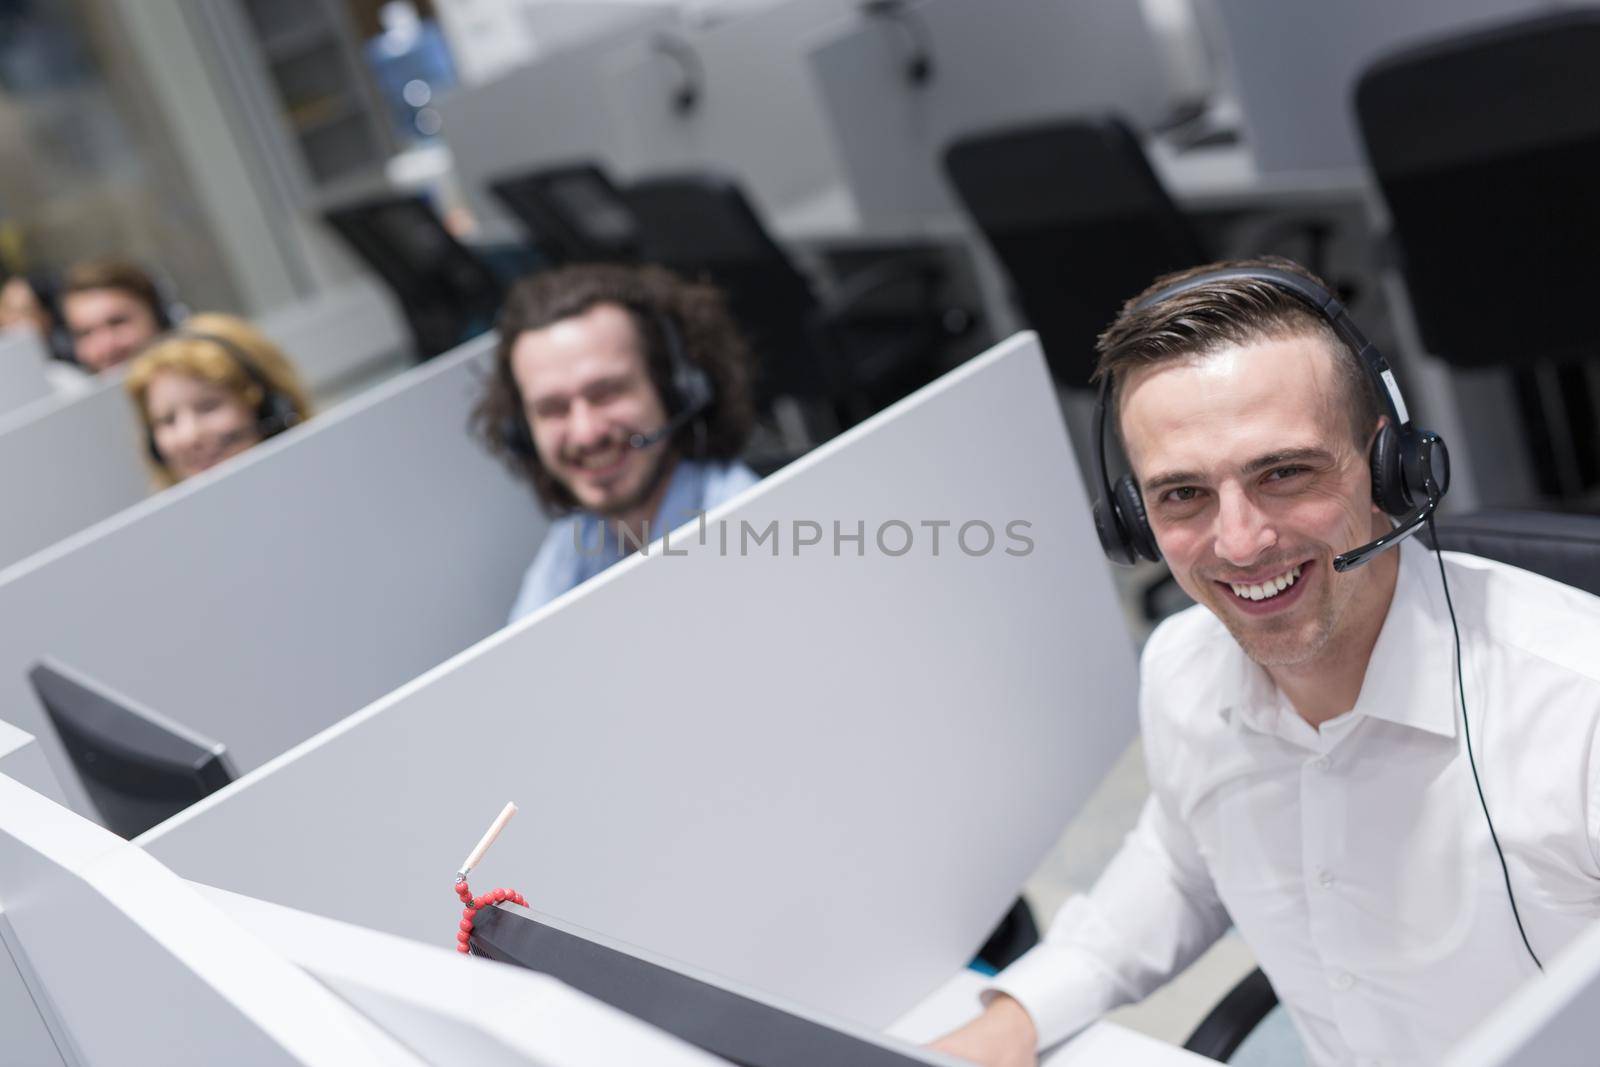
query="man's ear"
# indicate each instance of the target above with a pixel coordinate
(1372, 479)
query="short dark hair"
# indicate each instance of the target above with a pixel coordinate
(1229, 311)
(649, 294)
(112, 272)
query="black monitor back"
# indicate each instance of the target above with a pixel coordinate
(573, 213)
(1080, 222)
(447, 293)
(746, 1031)
(138, 767)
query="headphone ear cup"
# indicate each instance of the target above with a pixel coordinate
(1388, 480)
(276, 414)
(1112, 538)
(1135, 523)
(515, 435)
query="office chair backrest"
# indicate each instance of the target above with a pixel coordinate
(1487, 147)
(447, 293)
(702, 226)
(573, 213)
(1561, 546)
(1079, 221)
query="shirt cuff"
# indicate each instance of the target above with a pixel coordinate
(1063, 990)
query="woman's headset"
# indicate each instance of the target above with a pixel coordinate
(275, 413)
(1410, 466)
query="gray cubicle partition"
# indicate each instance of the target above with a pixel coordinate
(22, 370)
(819, 767)
(22, 759)
(548, 111)
(1295, 67)
(122, 962)
(266, 599)
(993, 64)
(342, 337)
(25, 1036)
(755, 113)
(1549, 1022)
(66, 463)
(109, 959)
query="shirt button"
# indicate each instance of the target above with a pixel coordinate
(1322, 763)
(1324, 878)
(1344, 981)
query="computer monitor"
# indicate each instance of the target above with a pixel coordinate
(710, 1016)
(138, 767)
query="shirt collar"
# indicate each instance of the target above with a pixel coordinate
(1410, 679)
(683, 500)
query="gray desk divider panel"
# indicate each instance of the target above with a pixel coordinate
(1549, 1022)
(757, 115)
(128, 964)
(1295, 67)
(22, 363)
(340, 335)
(821, 776)
(998, 63)
(22, 759)
(25, 1037)
(272, 596)
(65, 464)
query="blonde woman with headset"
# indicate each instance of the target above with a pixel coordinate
(210, 390)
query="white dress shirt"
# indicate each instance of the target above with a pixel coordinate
(1355, 861)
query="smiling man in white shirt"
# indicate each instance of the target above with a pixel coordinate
(1315, 748)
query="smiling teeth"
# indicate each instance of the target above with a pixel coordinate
(1267, 589)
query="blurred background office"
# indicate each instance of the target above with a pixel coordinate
(884, 186)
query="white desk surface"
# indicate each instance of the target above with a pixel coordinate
(1203, 179)
(956, 1002)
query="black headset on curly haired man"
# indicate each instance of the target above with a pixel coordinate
(690, 392)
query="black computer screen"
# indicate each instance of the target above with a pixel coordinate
(138, 767)
(727, 1024)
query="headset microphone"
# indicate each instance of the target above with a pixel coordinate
(672, 426)
(1405, 525)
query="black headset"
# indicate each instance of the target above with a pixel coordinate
(277, 410)
(1410, 474)
(1410, 466)
(690, 391)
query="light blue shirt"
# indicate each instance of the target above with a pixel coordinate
(561, 563)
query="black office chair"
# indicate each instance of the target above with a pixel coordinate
(447, 292)
(1561, 546)
(1079, 221)
(1487, 149)
(1225, 1028)
(835, 351)
(1016, 934)
(572, 213)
